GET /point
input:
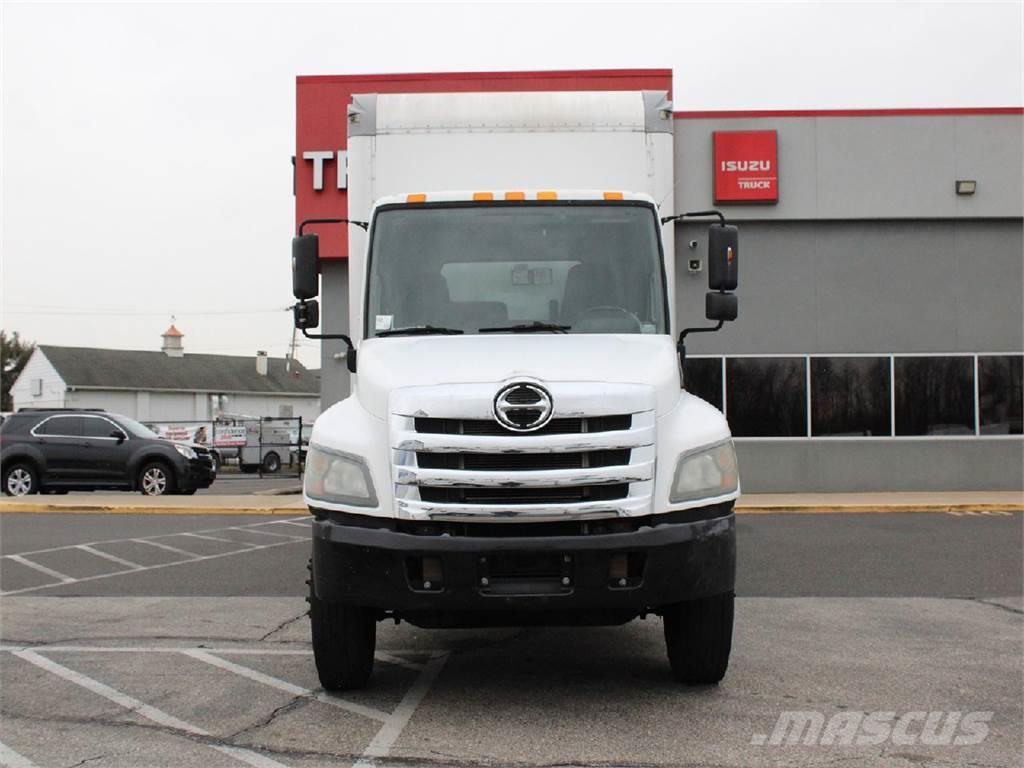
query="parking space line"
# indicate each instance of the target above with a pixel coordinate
(209, 538)
(390, 658)
(10, 758)
(64, 579)
(386, 737)
(159, 566)
(268, 533)
(141, 708)
(111, 558)
(168, 547)
(284, 685)
(146, 539)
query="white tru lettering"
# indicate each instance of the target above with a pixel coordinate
(321, 156)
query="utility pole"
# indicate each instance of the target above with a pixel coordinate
(291, 353)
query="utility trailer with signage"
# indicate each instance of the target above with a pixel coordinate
(518, 447)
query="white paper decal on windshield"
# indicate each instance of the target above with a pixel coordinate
(384, 322)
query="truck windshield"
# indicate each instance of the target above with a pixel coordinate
(572, 268)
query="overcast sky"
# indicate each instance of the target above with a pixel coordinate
(146, 148)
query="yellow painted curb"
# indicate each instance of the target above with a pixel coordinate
(859, 509)
(26, 508)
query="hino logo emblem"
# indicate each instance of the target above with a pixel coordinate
(523, 407)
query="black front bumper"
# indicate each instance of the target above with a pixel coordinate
(499, 579)
(197, 473)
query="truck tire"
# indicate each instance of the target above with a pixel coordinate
(156, 479)
(344, 639)
(271, 463)
(21, 479)
(698, 636)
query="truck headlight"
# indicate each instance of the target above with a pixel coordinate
(338, 477)
(705, 473)
(185, 451)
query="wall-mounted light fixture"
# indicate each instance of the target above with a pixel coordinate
(966, 187)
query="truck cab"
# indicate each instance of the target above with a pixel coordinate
(518, 447)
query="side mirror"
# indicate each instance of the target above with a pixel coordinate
(306, 268)
(721, 306)
(307, 314)
(118, 435)
(723, 257)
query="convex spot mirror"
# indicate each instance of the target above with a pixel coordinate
(720, 306)
(723, 257)
(307, 314)
(306, 268)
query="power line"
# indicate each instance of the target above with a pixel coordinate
(122, 313)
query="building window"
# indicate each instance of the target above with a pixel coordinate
(767, 396)
(702, 376)
(850, 397)
(1000, 394)
(934, 395)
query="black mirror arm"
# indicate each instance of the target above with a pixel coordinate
(350, 356)
(694, 215)
(681, 343)
(362, 224)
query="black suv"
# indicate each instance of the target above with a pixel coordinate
(87, 450)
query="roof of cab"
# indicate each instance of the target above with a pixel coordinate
(516, 195)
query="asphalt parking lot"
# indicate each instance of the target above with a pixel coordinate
(135, 640)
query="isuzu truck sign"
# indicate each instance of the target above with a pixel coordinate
(746, 167)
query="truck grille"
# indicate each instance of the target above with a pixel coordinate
(491, 428)
(453, 462)
(513, 462)
(575, 494)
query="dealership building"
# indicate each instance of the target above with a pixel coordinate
(880, 339)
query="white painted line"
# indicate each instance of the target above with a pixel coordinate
(147, 568)
(165, 546)
(269, 533)
(284, 685)
(111, 558)
(41, 568)
(12, 759)
(150, 713)
(386, 737)
(254, 759)
(141, 708)
(291, 522)
(390, 658)
(146, 539)
(212, 651)
(214, 538)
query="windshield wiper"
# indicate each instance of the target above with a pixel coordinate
(535, 327)
(421, 330)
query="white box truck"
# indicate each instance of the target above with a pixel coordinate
(518, 447)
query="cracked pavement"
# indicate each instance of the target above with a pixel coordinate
(210, 680)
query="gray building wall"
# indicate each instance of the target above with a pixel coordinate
(869, 250)
(868, 167)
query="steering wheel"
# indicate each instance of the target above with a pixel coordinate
(609, 314)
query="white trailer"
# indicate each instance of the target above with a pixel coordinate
(518, 447)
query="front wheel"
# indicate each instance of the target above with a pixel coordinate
(156, 479)
(698, 636)
(344, 639)
(21, 480)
